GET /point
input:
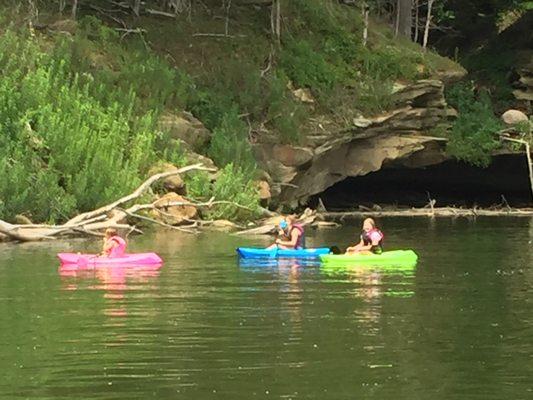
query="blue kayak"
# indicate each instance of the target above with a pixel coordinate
(253, 252)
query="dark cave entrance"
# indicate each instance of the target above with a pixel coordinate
(451, 183)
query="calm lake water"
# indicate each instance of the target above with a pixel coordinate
(459, 326)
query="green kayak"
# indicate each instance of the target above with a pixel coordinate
(387, 258)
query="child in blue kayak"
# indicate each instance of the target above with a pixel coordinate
(371, 240)
(292, 235)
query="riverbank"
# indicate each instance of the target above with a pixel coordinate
(124, 212)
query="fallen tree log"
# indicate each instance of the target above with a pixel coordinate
(427, 212)
(137, 193)
(93, 221)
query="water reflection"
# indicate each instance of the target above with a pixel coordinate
(113, 280)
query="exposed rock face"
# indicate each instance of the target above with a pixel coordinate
(172, 183)
(264, 190)
(195, 158)
(399, 137)
(186, 127)
(172, 214)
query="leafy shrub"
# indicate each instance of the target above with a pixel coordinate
(373, 95)
(229, 143)
(234, 185)
(66, 147)
(198, 185)
(389, 62)
(308, 68)
(283, 111)
(472, 138)
(492, 67)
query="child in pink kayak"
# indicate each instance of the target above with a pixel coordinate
(371, 240)
(114, 245)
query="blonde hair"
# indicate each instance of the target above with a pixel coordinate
(110, 232)
(291, 218)
(371, 222)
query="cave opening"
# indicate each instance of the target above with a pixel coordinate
(451, 183)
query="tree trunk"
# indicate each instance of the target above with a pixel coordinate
(416, 21)
(275, 20)
(137, 7)
(226, 25)
(397, 18)
(74, 8)
(428, 21)
(405, 18)
(365, 19)
(62, 6)
(527, 149)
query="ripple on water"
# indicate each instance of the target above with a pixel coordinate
(207, 327)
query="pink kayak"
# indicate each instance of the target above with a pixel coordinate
(94, 259)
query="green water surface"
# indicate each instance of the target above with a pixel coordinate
(458, 326)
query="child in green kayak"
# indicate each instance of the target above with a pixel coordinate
(292, 235)
(371, 240)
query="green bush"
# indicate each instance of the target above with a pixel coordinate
(235, 185)
(389, 63)
(473, 135)
(65, 148)
(491, 67)
(230, 144)
(198, 185)
(284, 112)
(308, 68)
(373, 95)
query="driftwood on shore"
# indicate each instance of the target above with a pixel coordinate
(113, 215)
(429, 212)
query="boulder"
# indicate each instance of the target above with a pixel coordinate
(223, 225)
(292, 156)
(287, 155)
(512, 117)
(304, 95)
(173, 214)
(186, 127)
(195, 158)
(172, 183)
(264, 190)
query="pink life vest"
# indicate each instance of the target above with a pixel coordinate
(366, 237)
(118, 251)
(300, 243)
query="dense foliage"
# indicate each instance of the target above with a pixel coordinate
(67, 143)
(473, 135)
(79, 113)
